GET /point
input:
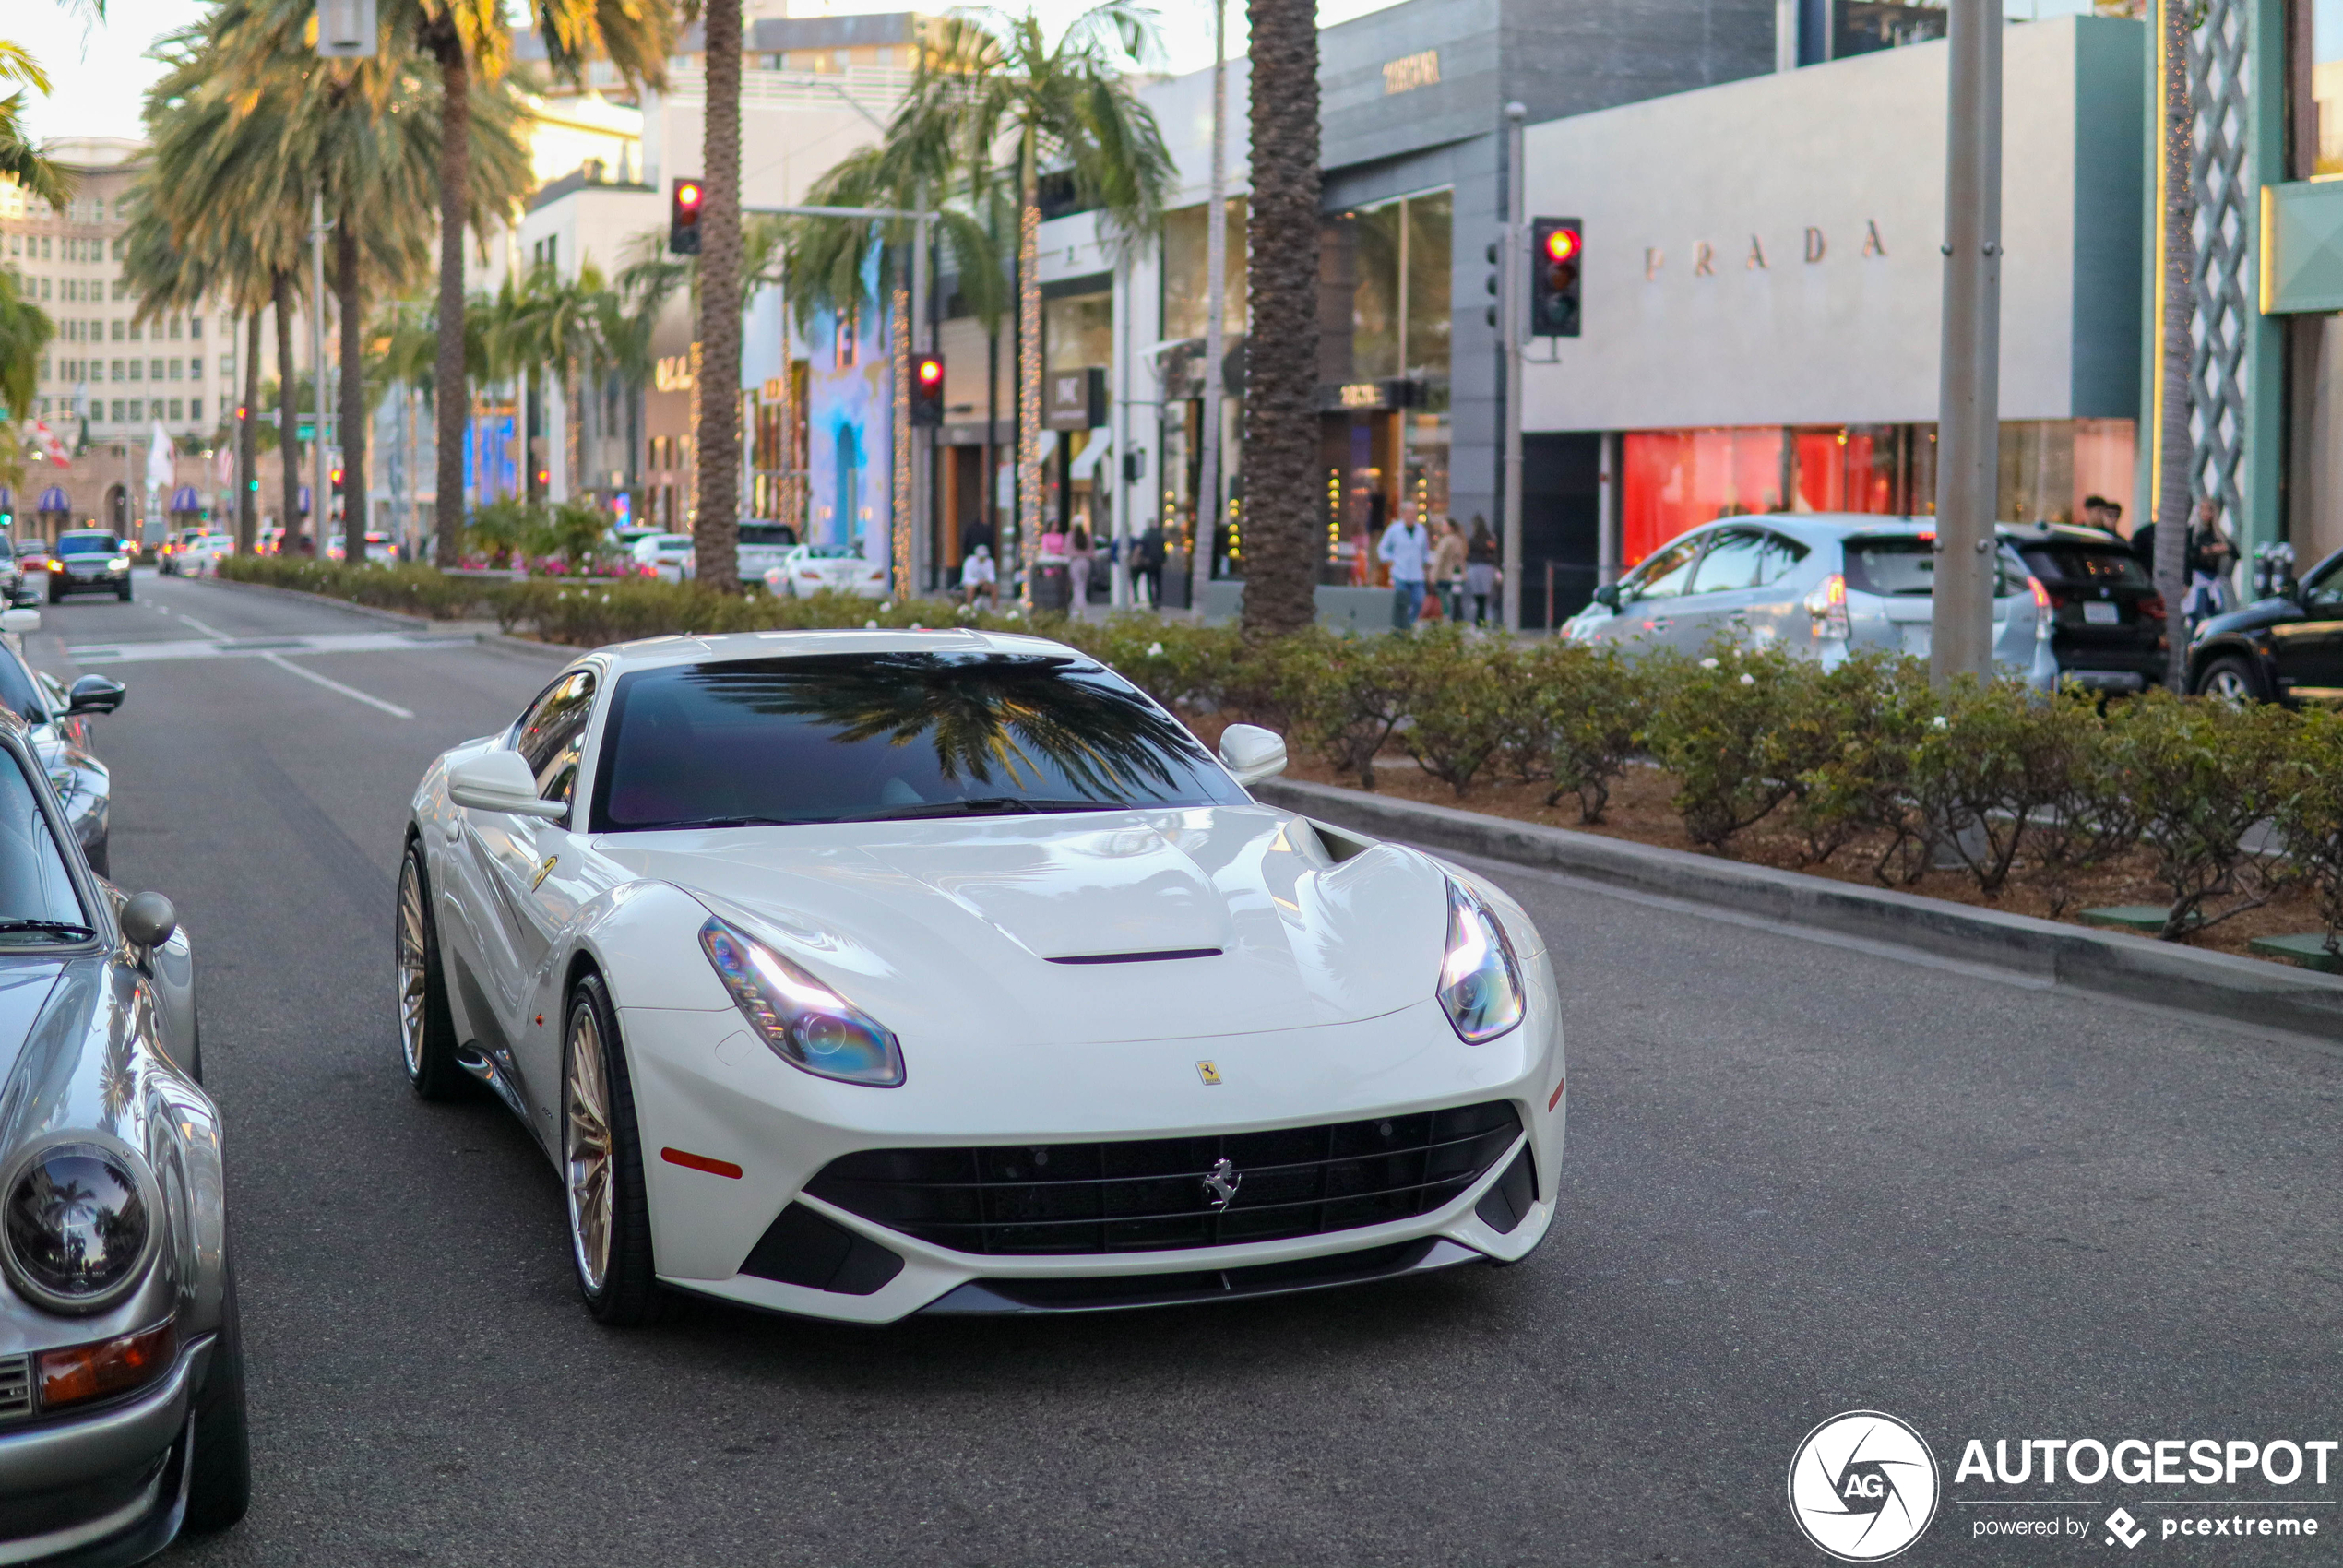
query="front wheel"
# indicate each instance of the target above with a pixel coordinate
(426, 1026)
(2230, 680)
(609, 1223)
(219, 1489)
(125, 593)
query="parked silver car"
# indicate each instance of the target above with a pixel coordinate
(57, 720)
(1823, 585)
(122, 1383)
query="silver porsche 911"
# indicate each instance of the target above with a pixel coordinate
(122, 1388)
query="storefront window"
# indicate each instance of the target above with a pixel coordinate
(1675, 479)
(1431, 221)
(1185, 272)
(2326, 83)
(1077, 330)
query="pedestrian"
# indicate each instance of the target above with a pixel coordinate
(1406, 550)
(2112, 514)
(1147, 567)
(972, 533)
(2210, 556)
(1448, 568)
(1080, 558)
(978, 577)
(1480, 569)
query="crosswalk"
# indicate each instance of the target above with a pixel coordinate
(91, 654)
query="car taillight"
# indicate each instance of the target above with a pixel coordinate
(2043, 607)
(1828, 605)
(2152, 607)
(57, 565)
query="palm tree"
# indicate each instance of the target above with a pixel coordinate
(715, 386)
(20, 159)
(1281, 537)
(988, 83)
(2177, 349)
(25, 330)
(545, 324)
(627, 317)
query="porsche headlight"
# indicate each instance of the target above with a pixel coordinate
(78, 1227)
(804, 1022)
(1480, 979)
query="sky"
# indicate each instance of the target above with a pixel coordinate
(99, 71)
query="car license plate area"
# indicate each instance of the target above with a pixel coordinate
(2101, 613)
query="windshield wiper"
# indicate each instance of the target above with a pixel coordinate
(46, 928)
(988, 805)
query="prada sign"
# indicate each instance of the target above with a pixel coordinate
(1366, 397)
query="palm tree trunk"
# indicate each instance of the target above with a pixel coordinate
(1281, 487)
(450, 399)
(248, 442)
(715, 532)
(352, 411)
(288, 414)
(2177, 349)
(1029, 368)
(1209, 514)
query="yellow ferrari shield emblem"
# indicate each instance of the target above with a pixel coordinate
(1208, 1073)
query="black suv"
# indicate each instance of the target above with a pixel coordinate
(2286, 649)
(2107, 620)
(89, 562)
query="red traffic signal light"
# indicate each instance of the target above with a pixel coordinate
(685, 198)
(927, 389)
(1556, 247)
(1562, 244)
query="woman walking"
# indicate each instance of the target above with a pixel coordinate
(1448, 568)
(1079, 559)
(1480, 570)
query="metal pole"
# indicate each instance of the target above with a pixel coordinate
(317, 493)
(1969, 428)
(1126, 295)
(921, 525)
(1511, 269)
(1209, 513)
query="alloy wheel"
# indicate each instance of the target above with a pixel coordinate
(2229, 686)
(586, 1148)
(414, 973)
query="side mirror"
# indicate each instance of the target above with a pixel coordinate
(95, 694)
(19, 620)
(1251, 753)
(147, 921)
(1609, 596)
(500, 781)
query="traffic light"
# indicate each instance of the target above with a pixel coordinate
(927, 389)
(1556, 244)
(336, 478)
(682, 217)
(1491, 281)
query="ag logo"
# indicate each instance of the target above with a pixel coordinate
(1862, 1485)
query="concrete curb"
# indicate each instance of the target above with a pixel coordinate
(2137, 968)
(496, 642)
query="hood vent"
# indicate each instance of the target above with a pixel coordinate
(1155, 957)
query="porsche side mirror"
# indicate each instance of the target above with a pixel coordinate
(95, 694)
(1609, 596)
(19, 620)
(1251, 753)
(147, 921)
(500, 781)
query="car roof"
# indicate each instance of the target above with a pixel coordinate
(1813, 527)
(652, 653)
(2063, 533)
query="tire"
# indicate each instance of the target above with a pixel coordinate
(2232, 680)
(220, 1487)
(603, 1196)
(54, 597)
(426, 1026)
(125, 593)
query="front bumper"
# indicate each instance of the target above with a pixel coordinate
(704, 1087)
(105, 1489)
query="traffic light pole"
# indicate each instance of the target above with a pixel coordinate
(1511, 274)
(1968, 414)
(317, 491)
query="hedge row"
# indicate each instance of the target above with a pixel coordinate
(1864, 759)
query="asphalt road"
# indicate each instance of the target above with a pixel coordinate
(1802, 1179)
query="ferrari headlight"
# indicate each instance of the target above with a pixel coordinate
(804, 1022)
(1480, 979)
(78, 1227)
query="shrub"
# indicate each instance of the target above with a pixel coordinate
(1570, 717)
(1461, 692)
(2309, 815)
(409, 589)
(1739, 730)
(1995, 761)
(1347, 694)
(1858, 763)
(2201, 775)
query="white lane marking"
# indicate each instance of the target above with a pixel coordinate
(351, 692)
(207, 631)
(253, 646)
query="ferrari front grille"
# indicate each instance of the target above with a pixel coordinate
(1157, 1194)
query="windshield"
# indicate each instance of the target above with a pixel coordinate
(16, 691)
(868, 737)
(87, 544)
(767, 533)
(1904, 567)
(831, 553)
(38, 904)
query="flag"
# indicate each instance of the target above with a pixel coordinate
(159, 460)
(46, 445)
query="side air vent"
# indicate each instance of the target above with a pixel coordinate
(15, 1388)
(806, 1248)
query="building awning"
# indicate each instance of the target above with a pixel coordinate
(185, 499)
(54, 499)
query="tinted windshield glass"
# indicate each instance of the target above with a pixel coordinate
(2097, 568)
(34, 887)
(87, 544)
(855, 737)
(767, 533)
(1906, 568)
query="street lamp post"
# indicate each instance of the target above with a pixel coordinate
(1512, 269)
(317, 372)
(1968, 429)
